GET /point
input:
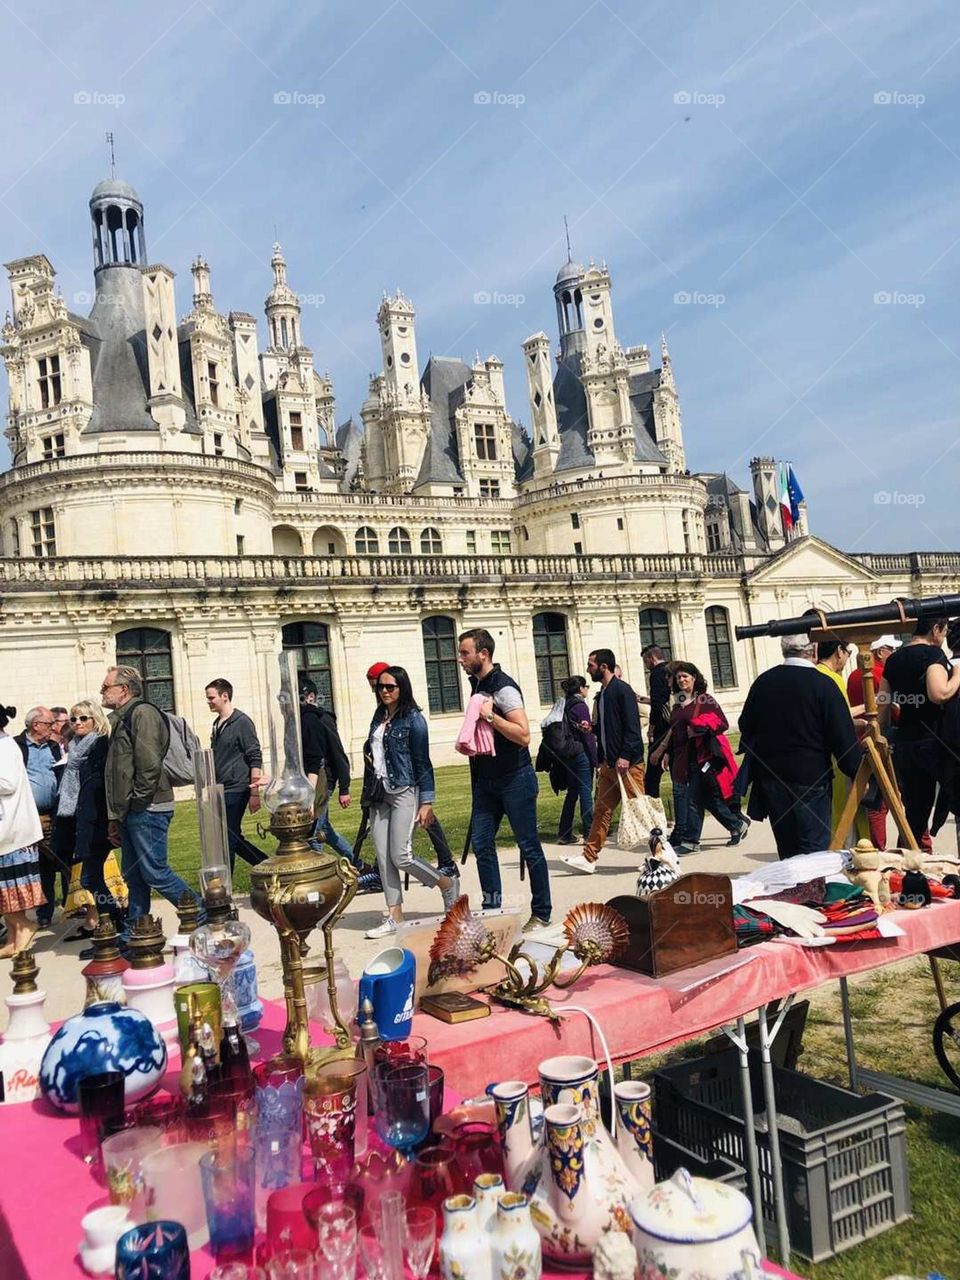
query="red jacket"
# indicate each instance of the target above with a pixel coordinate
(702, 725)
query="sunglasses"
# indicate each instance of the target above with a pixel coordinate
(386, 687)
(80, 719)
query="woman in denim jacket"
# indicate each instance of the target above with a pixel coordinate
(402, 794)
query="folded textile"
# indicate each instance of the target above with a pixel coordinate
(771, 877)
(475, 737)
(805, 922)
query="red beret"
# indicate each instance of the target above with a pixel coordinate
(377, 670)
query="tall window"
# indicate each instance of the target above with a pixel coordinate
(148, 651)
(367, 542)
(296, 431)
(722, 668)
(430, 543)
(655, 629)
(49, 369)
(489, 488)
(500, 542)
(444, 691)
(44, 532)
(310, 641)
(300, 482)
(714, 541)
(485, 435)
(217, 445)
(471, 542)
(213, 382)
(550, 652)
(398, 542)
(54, 446)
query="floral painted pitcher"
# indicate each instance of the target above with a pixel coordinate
(577, 1183)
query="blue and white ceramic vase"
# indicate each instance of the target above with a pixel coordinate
(249, 1008)
(104, 1037)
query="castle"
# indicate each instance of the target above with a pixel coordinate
(184, 501)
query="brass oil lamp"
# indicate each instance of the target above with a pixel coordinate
(300, 889)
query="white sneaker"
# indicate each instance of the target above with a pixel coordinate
(383, 930)
(578, 862)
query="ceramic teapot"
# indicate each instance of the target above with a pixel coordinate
(577, 1183)
(694, 1229)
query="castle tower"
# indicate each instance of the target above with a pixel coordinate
(767, 496)
(282, 307)
(543, 410)
(116, 214)
(402, 414)
(569, 298)
(399, 344)
(666, 413)
(163, 353)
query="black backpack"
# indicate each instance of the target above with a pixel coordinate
(562, 739)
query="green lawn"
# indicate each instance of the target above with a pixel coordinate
(452, 808)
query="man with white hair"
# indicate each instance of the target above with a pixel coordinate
(792, 726)
(40, 758)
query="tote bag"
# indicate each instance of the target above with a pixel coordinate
(639, 814)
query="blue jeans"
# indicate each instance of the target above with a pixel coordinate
(338, 843)
(236, 803)
(691, 799)
(143, 842)
(514, 796)
(580, 787)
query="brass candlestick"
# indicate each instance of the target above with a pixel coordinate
(300, 888)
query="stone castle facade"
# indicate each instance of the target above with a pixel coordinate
(184, 500)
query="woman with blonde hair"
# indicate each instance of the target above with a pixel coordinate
(80, 830)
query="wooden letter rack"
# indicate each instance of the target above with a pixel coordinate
(685, 924)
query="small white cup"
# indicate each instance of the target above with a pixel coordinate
(102, 1227)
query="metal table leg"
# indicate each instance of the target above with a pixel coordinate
(848, 1036)
(767, 1037)
(739, 1039)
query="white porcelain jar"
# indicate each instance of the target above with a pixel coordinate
(694, 1229)
(464, 1245)
(515, 1248)
(635, 1130)
(487, 1189)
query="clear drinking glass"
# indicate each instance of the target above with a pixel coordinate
(123, 1153)
(419, 1239)
(337, 1237)
(292, 1264)
(373, 1256)
(171, 1178)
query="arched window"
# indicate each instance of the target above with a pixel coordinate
(310, 641)
(367, 542)
(148, 651)
(550, 652)
(444, 690)
(655, 629)
(398, 543)
(430, 543)
(722, 668)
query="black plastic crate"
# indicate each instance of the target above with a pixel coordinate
(844, 1156)
(669, 1156)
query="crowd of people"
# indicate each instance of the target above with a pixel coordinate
(79, 784)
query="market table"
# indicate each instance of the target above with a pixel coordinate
(45, 1188)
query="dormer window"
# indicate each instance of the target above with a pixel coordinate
(53, 446)
(296, 432)
(214, 384)
(485, 436)
(489, 488)
(49, 372)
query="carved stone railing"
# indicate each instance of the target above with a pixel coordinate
(909, 562)
(144, 462)
(593, 484)
(215, 572)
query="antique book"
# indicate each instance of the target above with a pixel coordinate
(454, 1006)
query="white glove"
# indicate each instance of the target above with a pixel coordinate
(801, 920)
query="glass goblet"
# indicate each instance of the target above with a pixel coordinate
(337, 1237)
(419, 1239)
(372, 1253)
(403, 1105)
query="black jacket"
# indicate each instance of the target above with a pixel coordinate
(21, 741)
(794, 723)
(322, 748)
(620, 737)
(85, 835)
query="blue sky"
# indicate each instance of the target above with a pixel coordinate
(793, 169)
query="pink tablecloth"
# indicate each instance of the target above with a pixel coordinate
(639, 1015)
(45, 1188)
